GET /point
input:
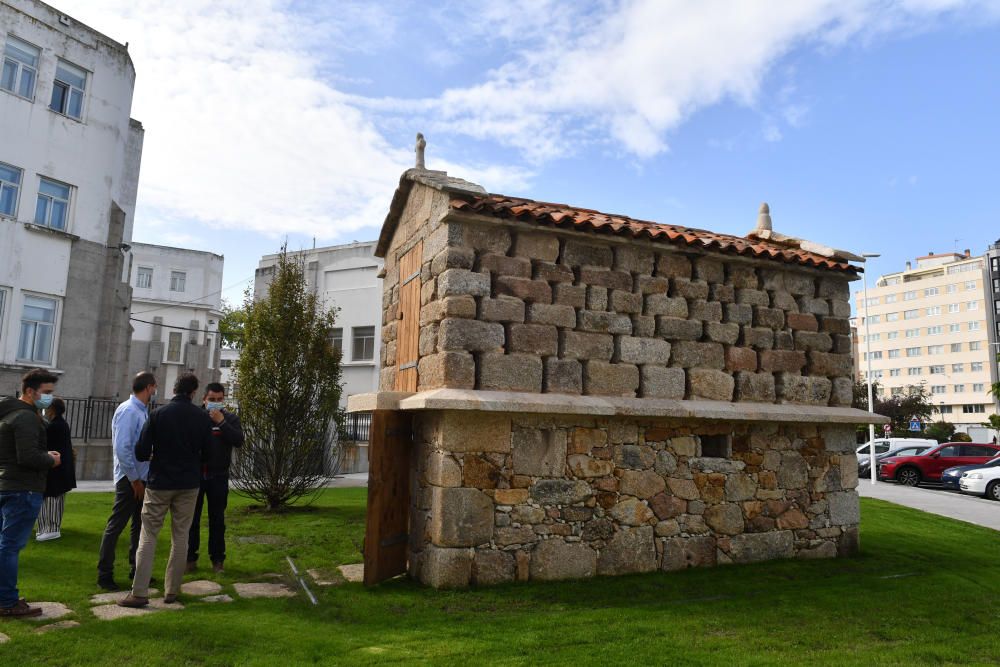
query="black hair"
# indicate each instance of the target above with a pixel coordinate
(186, 385)
(215, 387)
(36, 378)
(142, 381)
(59, 407)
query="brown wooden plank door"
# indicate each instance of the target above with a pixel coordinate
(408, 336)
(388, 515)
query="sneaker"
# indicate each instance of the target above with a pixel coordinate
(218, 568)
(191, 566)
(45, 537)
(108, 584)
(133, 601)
(20, 610)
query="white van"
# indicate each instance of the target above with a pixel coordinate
(883, 445)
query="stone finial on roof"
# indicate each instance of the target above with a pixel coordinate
(421, 145)
(764, 217)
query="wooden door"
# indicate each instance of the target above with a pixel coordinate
(408, 335)
(388, 516)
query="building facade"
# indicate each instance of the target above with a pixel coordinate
(930, 325)
(69, 169)
(176, 308)
(345, 277)
(992, 265)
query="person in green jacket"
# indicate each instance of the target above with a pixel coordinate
(24, 469)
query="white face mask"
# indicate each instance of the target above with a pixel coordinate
(214, 406)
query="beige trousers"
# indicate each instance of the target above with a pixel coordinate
(180, 503)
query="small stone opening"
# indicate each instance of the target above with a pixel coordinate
(717, 446)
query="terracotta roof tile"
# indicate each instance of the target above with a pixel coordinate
(561, 215)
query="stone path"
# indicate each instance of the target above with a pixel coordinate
(257, 590)
(355, 572)
(50, 611)
(59, 625)
(951, 504)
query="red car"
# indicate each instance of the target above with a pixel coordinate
(927, 467)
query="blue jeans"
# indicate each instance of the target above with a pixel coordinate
(18, 511)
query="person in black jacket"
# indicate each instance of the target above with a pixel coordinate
(227, 433)
(176, 441)
(61, 479)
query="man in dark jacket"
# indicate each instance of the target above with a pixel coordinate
(175, 440)
(226, 434)
(24, 467)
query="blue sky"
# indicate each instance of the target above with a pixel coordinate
(867, 125)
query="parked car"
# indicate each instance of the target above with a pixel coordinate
(864, 470)
(887, 445)
(927, 467)
(951, 477)
(982, 482)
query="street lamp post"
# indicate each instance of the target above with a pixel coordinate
(868, 359)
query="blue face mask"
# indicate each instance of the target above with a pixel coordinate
(44, 401)
(214, 406)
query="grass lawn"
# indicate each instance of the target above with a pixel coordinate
(924, 590)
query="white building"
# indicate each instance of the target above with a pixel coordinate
(346, 278)
(227, 367)
(69, 169)
(176, 307)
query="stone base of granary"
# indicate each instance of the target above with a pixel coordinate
(499, 497)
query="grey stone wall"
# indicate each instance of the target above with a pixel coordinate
(500, 497)
(512, 308)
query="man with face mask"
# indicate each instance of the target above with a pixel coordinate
(24, 468)
(130, 478)
(226, 434)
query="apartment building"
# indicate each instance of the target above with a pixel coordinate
(69, 170)
(176, 308)
(345, 277)
(931, 325)
(992, 266)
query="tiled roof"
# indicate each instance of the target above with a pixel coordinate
(569, 217)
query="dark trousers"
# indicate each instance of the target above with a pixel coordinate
(125, 509)
(215, 491)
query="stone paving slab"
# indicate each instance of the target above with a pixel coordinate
(354, 572)
(114, 596)
(217, 598)
(4, 638)
(59, 625)
(201, 587)
(322, 579)
(258, 590)
(111, 612)
(50, 611)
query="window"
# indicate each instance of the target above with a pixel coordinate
(874, 355)
(938, 389)
(20, 67)
(976, 367)
(954, 328)
(979, 386)
(958, 388)
(912, 333)
(10, 183)
(909, 296)
(895, 280)
(891, 317)
(913, 351)
(913, 371)
(953, 450)
(956, 347)
(936, 370)
(225, 363)
(210, 349)
(931, 291)
(364, 344)
(975, 346)
(174, 339)
(977, 450)
(3, 302)
(177, 281)
(911, 314)
(954, 308)
(935, 330)
(970, 284)
(717, 446)
(144, 277)
(872, 319)
(337, 339)
(67, 90)
(894, 354)
(945, 409)
(873, 301)
(972, 305)
(894, 372)
(892, 335)
(890, 298)
(935, 349)
(52, 207)
(973, 409)
(896, 391)
(958, 368)
(38, 323)
(974, 326)
(934, 310)
(951, 289)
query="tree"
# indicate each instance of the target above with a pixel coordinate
(961, 437)
(993, 422)
(941, 431)
(289, 379)
(913, 403)
(231, 326)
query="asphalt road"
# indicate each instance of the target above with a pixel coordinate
(951, 504)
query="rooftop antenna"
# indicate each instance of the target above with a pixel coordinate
(421, 145)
